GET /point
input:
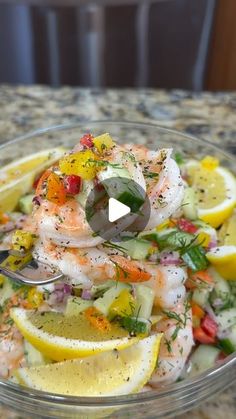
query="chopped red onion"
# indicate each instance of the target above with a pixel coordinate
(170, 258)
(212, 244)
(61, 293)
(86, 294)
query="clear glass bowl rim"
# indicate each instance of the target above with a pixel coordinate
(175, 389)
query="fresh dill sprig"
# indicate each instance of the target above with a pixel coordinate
(114, 246)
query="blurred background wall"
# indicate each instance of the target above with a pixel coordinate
(188, 44)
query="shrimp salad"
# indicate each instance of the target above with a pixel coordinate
(174, 279)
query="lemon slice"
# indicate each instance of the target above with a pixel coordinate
(216, 192)
(223, 258)
(107, 374)
(59, 337)
(227, 233)
(17, 178)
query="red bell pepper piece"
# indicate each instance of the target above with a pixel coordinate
(209, 326)
(72, 184)
(87, 141)
(187, 226)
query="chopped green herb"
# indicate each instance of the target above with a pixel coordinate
(179, 158)
(133, 325)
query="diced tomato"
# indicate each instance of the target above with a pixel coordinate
(209, 326)
(72, 184)
(187, 226)
(201, 336)
(87, 141)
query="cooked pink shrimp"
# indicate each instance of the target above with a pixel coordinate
(165, 187)
(167, 283)
(11, 352)
(92, 265)
(66, 224)
(176, 344)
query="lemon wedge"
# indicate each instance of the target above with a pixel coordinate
(223, 258)
(215, 188)
(106, 374)
(59, 337)
(17, 178)
(227, 233)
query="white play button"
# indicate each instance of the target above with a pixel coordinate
(116, 210)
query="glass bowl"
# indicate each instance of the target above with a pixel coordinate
(23, 402)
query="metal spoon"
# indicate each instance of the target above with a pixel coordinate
(33, 267)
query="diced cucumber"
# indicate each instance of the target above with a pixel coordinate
(26, 204)
(75, 306)
(169, 239)
(203, 357)
(189, 204)
(221, 292)
(144, 301)
(121, 188)
(221, 285)
(103, 303)
(228, 344)
(136, 248)
(125, 191)
(33, 356)
(195, 258)
(83, 195)
(201, 296)
(226, 319)
(113, 172)
(6, 291)
(98, 290)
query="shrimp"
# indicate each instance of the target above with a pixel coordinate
(89, 266)
(67, 224)
(83, 266)
(11, 352)
(165, 188)
(92, 265)
(176, 344)
(167, 283)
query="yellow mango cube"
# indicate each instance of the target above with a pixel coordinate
(123, 305)
(82, 163)
(103, 142)
(22, 240)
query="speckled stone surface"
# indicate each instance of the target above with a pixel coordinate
(211, 116)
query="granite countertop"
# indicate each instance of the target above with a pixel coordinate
(211, 116)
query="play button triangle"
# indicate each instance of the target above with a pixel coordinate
(116, 210)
